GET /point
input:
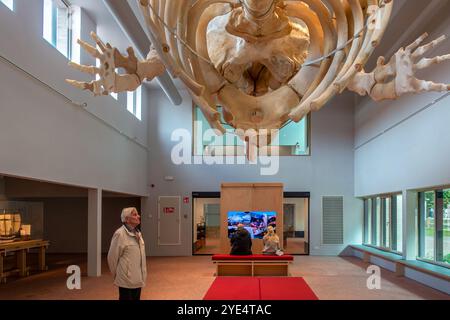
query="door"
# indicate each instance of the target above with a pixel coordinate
(206, 225)
(169, 221)
(296, 225)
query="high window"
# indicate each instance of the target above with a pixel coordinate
(134, 102)
(292, 140)
(8, 3)
(58, 25)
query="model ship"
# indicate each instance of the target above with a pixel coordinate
(10, 226)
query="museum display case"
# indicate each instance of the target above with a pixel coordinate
(20, 253)
(12, 226)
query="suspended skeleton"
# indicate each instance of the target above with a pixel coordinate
(266, 62)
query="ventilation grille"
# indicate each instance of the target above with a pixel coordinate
(333, 220)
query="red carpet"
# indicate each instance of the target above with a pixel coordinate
(285, 289)
(259, 288)
(234, 288)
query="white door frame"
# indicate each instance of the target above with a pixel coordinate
(179, 221)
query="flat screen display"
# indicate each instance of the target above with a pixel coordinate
(256, 222)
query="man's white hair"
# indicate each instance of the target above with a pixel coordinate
(126, 212)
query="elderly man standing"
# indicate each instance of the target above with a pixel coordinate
(126, 256)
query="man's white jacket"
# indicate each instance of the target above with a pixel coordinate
(127, 260)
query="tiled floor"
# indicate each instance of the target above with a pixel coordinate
(188, 278)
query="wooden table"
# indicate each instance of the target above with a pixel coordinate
(21, 248)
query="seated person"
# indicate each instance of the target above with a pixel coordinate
(241, 242)
(271, 242)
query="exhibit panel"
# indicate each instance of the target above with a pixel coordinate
(255, 203)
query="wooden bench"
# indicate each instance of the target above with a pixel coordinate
(427, 268)
(400, 264)
(252, 265)
(388, 256)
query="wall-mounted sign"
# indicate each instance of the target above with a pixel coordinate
(168, 210)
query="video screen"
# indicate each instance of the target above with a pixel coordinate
(256, 222)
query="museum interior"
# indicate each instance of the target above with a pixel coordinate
(327, 120)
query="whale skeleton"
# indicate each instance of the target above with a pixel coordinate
(266, 62)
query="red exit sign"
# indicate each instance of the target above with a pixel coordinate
(168, 210)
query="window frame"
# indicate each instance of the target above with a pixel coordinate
(136, 97)
(11, 6)
(438, 234)
(236, 151)
(376, 233)
(54, 28)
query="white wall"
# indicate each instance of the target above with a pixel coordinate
(66, 222)
(416, 152)
(328, 171)
(42, 135)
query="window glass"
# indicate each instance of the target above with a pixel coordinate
(446, 227)
(130, 101)
(383, 222)
(399, 222)
(138, 112)
(427, 225)
(134, 102)
(57, 25)
(292, 139)
(378, 222)
(368, 221)
(386, 219)
(8, 3)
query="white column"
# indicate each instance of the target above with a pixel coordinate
(146, 222)
(2, 188)
(94, 232)
(410, 214)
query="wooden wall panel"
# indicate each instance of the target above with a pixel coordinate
(249, 197)
(268, 198)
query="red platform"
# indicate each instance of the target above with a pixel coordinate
(259, 288)
(221, 257)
